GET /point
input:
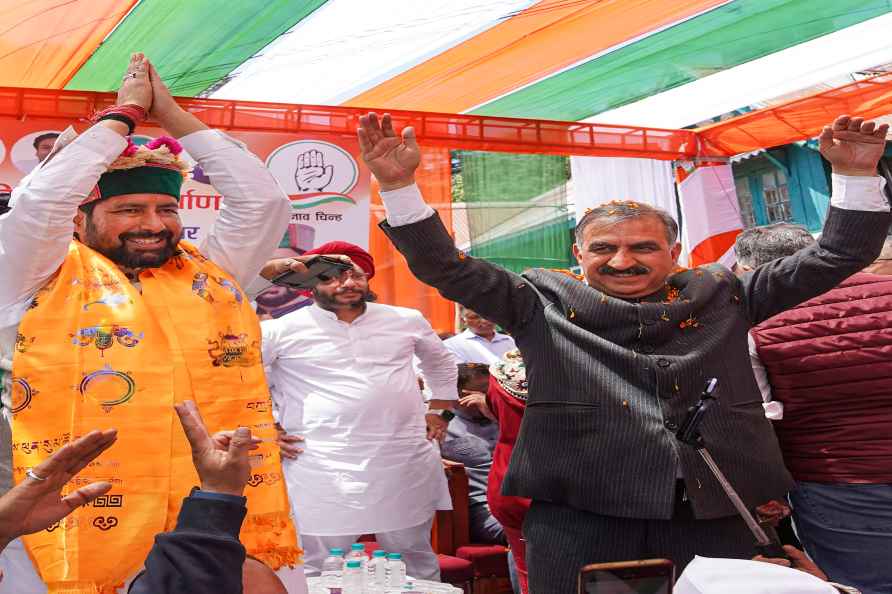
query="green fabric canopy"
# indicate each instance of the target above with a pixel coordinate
(727, 36)
(193, 44)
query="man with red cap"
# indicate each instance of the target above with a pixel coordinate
(342, 378)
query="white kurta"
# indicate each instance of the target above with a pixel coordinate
(351, 392)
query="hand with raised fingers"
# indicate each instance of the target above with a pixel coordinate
(136, 89)
(37, 502)
(312, 174)
(392, 159)
(853, 146)
(222, 462)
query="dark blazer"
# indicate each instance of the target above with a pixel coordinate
(609, 380)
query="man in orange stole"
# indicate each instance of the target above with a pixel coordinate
(113, 327)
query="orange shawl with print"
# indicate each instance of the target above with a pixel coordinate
(95, 352)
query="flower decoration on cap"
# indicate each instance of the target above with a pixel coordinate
(152, 168)
(163, 151)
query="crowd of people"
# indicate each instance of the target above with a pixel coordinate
(562, 397)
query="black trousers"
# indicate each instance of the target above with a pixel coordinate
(561, 540)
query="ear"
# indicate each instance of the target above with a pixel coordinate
(577, 253)
(675, 252)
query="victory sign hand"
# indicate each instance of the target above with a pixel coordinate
(222, 462)
(853, 146)
(391, 158)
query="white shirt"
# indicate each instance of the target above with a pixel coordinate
(36, 233)
(471, 348)
(349, 389)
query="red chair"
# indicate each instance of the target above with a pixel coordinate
(451, 539)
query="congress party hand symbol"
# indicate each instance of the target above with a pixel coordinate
(312, 174)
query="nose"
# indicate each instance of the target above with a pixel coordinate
(349, 280)
(152, 223)
(621, 260)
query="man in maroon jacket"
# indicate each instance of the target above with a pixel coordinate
(824, 368)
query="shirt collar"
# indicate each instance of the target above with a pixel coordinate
(333, 316)
(468, 335)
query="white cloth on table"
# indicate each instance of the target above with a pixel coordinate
(349, 389)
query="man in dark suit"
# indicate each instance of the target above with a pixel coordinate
(615, 359)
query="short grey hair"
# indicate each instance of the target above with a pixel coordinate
(618, 211)
(761, 245)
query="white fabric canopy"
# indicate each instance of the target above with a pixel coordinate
(348, 46)
(852, 49)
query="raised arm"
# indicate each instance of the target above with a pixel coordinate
(418, 233)
(255, 211)
(853, 234)
(35, 234)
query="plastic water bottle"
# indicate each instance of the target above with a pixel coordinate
(376, 579)
(357, 553)
(352, 582)
(333, 568)
(396, 571)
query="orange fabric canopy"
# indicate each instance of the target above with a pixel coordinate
(43, 46)
(798, 119)
(539, 41)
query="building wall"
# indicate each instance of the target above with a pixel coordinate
(806, 184)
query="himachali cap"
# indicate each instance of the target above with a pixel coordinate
(153, 168)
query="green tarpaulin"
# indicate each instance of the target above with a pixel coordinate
(722, 38)
(193, 44)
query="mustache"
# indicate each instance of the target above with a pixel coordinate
(637, 270)
(166, 235)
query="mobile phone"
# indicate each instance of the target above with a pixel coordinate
(648, 576)
(320, 268)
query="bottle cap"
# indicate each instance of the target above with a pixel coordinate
(357, 546)
(379, 553)
(394, 556)
(337, 552)
(354, 564)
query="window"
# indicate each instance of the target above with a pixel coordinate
(745, 199)
(777, 198)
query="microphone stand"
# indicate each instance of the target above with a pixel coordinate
(689, 433)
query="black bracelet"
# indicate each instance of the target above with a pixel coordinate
(131, 125)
